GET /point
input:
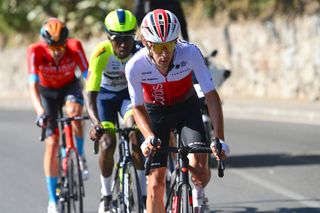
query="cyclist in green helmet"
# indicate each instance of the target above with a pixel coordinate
(106, 95)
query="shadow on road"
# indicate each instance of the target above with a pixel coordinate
(265, 160)
(244, 207)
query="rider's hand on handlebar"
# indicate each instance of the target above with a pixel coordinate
(96, 132)
(42, 120)
(150, 143)
(225, 150)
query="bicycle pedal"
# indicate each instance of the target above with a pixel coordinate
(62, 199)
(201, 209)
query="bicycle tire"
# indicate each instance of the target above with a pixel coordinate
(170, 193)
(62, 184)
(170, 173)
(116, 191)
(75, 185)
(132, 190)
(185, 195)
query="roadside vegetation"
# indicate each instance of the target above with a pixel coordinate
(20, 20)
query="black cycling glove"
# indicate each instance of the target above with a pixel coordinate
(42, 120)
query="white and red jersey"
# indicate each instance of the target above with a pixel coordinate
(148, 85)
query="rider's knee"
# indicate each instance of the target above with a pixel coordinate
(73, 109)
(108, 143)
(156, 181)
(202, 178)
(52, 143)
(155, 188)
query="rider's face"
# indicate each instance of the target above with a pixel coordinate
(57, 51)
(122, 45)
(162, 54)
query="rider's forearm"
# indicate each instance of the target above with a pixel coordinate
(142, 120)
(35, 97)
(216, 113)
(91, 104)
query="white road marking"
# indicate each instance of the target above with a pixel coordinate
(277, 188)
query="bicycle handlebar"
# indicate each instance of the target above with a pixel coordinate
(148, 162)
(63, 119)
(74, 118)
(43, 134)
(121, 131)
(186, 150)
(220, 162)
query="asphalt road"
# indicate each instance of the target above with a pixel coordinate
(274, 167)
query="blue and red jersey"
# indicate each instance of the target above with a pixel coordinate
(43, 69)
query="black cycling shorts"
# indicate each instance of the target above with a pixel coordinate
(53, 100)
(184, 117)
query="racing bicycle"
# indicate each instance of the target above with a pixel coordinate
(70, 189)
(179, 198)
(126, 190)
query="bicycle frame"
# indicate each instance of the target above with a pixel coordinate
(124, 147)
(124, 158)
(123, 166)
(67, 129)
(70, 191)
(181, 178)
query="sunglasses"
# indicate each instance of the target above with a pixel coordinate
(159, 47)
(121, 38)
(57, 47)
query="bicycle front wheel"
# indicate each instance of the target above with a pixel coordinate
(75, 185)
(185, 199)
(116, 190)
(132, 190)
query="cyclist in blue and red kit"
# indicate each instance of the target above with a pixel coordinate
(52, 63)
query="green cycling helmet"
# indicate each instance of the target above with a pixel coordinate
(120, 22)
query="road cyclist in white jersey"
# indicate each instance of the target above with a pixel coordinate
(163, 97)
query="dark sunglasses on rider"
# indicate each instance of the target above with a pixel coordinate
(121, 38)
(57, 47)
(159, 47)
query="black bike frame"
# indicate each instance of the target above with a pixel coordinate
(124, 157)
(182, 168)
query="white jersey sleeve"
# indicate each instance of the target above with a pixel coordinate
(201, 70)
(133, 76)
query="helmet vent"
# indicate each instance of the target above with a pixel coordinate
(121, 16)
(160, 26)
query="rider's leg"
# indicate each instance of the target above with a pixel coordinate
(137, 155)
(106, 161)
(199, 169)
(193, 134)
(107, 111)
(51, 167)
(200, 177)
(75, 109)
(50, 160)
(156, 189)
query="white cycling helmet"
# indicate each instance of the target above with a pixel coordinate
(160, 26)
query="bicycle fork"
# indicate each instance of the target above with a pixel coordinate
(182, 179)
(125, 176)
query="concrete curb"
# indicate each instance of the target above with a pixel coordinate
(234, 108)
(273, 110)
